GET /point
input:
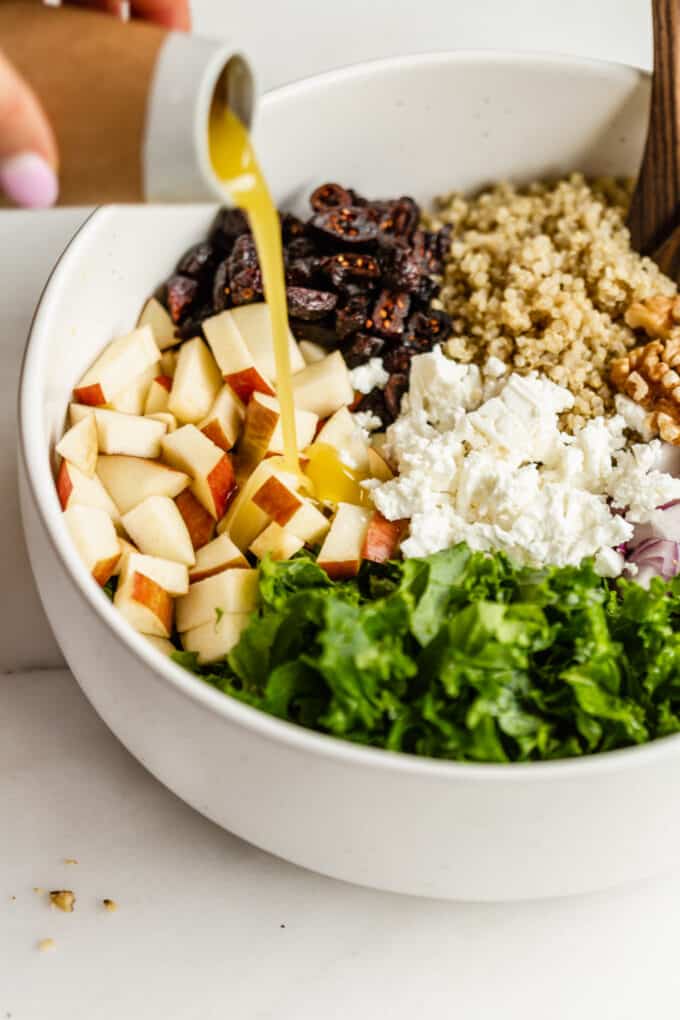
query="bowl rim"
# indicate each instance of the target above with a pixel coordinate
(38, 472)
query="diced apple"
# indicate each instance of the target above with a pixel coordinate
(276, 542)
(278, 499)
(75, 487)
(161, 644)
(223, 422)
(262, 417)
(117, 366)
(244, 520)
(144, 603)
(232, 591)
(130, 480)
(255, 326)
(305, 426)
(171, 576)
(311, 352)
(212, 641)
(343, 434)
(129, 434)
(211, 468)
(79, 445)
(233, 357)
(158, 395)
(308, 524)
(125, 549)
(200, 524)
(166, 418)
(162, 326)
(95, 538)
(196, 383)
(340, 555)
(382, 538)
(168, 362)
(216, 556)
(378, 466)
(324, 386)
(132, 398)
(157, 528)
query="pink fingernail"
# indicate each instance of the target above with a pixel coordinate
(29, 181)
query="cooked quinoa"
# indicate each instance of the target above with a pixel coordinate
(541, 277)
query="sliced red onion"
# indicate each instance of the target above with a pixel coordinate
(655, 557)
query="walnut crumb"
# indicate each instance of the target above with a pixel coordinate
(47, 945)
(110, 905)
(38, 890)
(64, 899)
(70, 860)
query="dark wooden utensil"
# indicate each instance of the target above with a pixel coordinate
(655, 208)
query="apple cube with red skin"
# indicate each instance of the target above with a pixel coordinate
(157, 528)
(216, 556)
(75, 487)
(129, 434)
(162, 326)
(79, 445)
(213, 640)
(145, 591)
(223, 421)
(200, 524)
(244, 520)
(234, 358)
(343, 434)
(255, 326)
(263, 431)
(382, 538)
(131, 480)
(95, 538)
(324, 386)
(196, 383)
(340, 554)
(276, 542)
(213, 475)
(117, 366)
(231, 591)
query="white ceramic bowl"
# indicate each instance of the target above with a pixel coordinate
(482, 832)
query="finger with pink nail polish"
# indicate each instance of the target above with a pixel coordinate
(29, 181)
(28, 152)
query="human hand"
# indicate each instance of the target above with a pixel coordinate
(28, 150)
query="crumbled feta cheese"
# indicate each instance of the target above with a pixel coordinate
(498, 473)
(367, 421)
(634, 416)
(365, 378)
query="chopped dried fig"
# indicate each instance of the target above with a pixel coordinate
(330, 196)
(322, 333)
(398, 222)
(246, 286)
(291, 227)
(433, 325)
(220, 287)
(302, 272)
(301, 248)
(197, 260)
(180, 293)
(229, 224)
(310, 305)
(395, 388)
(376, 404)
(398, 359)
(389, 313)
(351, 317)
(345, 225)
(364, 347)
(349, 267)
(243, 255)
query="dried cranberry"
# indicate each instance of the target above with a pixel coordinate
(229, 224)
(321, 333)
(310, 305)
(395, 388)
(352, 316)
(220, 287)
(330, 196)
(246, 286)
(180, 292)
(197, 260)
(432, 325)
(398, 222)
(389, 313)
(346, 224)
(351, 266)
(364, 347)
(375, 403)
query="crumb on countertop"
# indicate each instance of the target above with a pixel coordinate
(38, 889)
(46, 945)
(110, 905)
(70, 860)
(64, 899)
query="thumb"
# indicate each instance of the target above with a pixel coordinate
(28, 151)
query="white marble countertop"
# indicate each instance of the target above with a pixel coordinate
(208, 926)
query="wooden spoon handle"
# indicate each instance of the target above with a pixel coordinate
(655, 208)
